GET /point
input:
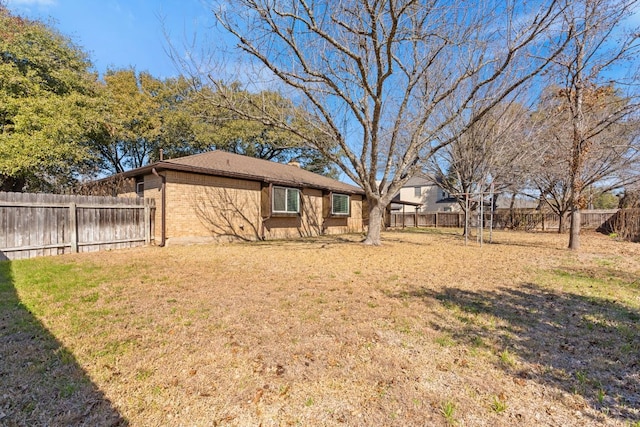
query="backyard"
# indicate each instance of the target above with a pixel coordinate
(326, 332)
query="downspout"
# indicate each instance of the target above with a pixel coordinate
(268, 217)
(163, 206)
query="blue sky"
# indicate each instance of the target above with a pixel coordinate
(123, 33)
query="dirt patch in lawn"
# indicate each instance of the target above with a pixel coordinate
(421, 331)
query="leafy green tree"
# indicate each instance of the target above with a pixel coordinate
(605, 200)
(46, 105)
(139, 115)
(223, 129)
(143, 114)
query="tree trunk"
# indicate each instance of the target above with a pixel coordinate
(560, 223)
(465, 226)
(574, 231)
(376, 210)
(580, 148)
(512, 212)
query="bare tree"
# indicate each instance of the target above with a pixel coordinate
(375, 75)
(600, 50)
(611, 160)
(494, 153)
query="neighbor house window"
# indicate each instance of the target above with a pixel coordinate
(417, 191)
(286, 200)
(140, 189)
(339, 204)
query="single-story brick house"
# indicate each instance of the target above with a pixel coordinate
(219, 195)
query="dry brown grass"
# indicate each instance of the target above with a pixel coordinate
(421, 331)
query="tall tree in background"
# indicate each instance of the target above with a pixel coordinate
(600, 48)
(223, 129)
(376, 75)
(140, 115)
(609, 158)
(46, 106)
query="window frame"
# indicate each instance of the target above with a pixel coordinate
(444, 194)
(333, 212)
(417, 191)
(286, 210)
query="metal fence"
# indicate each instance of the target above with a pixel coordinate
(50, 224)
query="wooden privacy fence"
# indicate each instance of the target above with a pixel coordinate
(502, 219)
(427, 219)
(51, 224)
(523, 219)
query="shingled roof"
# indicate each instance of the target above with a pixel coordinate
(222, 163)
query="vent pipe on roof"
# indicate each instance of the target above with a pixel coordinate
(294, 163)
(161, 154)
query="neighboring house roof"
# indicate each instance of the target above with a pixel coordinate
(396, 200)
(222, 163)
(420, 181)
(519, 203)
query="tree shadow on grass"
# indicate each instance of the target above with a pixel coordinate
(41, 382)
(584, 345)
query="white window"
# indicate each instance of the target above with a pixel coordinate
(417, 191)
(286, 200)
(339, 204)
(140, 189)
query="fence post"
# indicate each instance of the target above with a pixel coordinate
(73, 227)
(147, 223)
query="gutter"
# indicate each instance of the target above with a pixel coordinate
(165, 165)
(163, 207)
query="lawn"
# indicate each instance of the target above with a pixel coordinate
(326, 332)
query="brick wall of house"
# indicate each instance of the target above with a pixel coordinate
(219, 208)
(311, 222)
(211, 206)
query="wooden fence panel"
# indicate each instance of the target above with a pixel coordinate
(427, 219)
(48, 224)
(519, 219)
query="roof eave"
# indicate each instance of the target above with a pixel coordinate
(162, 166)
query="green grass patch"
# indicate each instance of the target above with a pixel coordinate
(41, 282)
(445, 341)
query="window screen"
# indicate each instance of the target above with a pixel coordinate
(340, 204)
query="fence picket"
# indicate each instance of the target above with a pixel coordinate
(525, 220)
(43, 224)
